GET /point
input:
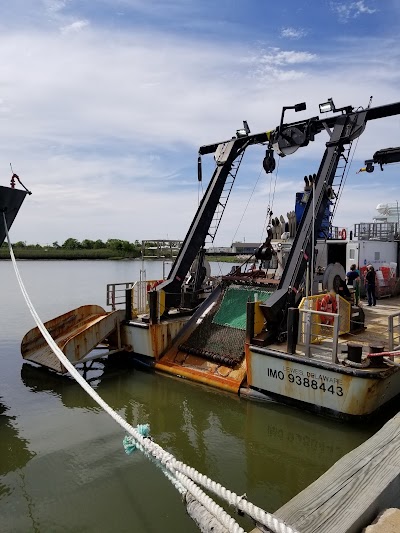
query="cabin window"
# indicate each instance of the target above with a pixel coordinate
(352, 254)
(377, 256)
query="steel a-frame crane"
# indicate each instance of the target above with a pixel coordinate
(342, 129)
(284, 140)
(228, 152)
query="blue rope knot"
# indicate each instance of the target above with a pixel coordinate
(129, 442)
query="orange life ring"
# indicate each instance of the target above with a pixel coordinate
(327, 304)
(343, 234)
(152, 285)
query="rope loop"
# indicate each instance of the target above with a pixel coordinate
(238, 510)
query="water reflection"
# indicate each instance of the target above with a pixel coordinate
(14, 452)
(271, 452)
(38, 379)
(80, 478)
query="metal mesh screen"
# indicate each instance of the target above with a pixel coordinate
(221, 335)
(232, 311)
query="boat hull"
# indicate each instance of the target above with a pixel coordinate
(151, 340)
(319, 386)
(10, 203)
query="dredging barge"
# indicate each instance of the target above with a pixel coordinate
(257, 334)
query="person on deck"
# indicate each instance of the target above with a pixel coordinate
(370, 283)
(352, 274)
(353, 278)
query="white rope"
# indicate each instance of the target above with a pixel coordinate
(184, 474)
(150, 447)
(390, 362)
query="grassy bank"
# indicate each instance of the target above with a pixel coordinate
(64, 254)
(99, 253)
(224, 258)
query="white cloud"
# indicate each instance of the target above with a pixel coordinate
(54, 6)
(104, 128)
(360, 7)
(271, 65)
(293, 33)
(278, 57)
(349, 10)
(74, 27)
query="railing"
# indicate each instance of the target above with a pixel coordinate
(117, 296)
(377, 231)
(311, 331)
(160, 248)
(337, 233)
(394, 331)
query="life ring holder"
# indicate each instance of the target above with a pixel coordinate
(343, 234)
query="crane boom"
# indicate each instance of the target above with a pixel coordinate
(284, 139)
(345, 128)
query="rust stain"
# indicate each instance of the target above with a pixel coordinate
(196, 361)
(180, 357)
(154, 340)
(223, 371)
(196, 368)
(247, 359)
(212, 380)
(76, 334)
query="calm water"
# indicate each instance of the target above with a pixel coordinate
(62, 464)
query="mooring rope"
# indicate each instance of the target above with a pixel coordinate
(187, 478)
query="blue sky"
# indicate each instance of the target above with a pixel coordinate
(104, 104)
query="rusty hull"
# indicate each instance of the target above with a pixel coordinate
(321, 385)
(151, 340)
(196, 368)
(76, 333)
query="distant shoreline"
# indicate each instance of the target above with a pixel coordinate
(95, 255)
(63, 254)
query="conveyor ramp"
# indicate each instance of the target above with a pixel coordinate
(76, 333)
(210, 349)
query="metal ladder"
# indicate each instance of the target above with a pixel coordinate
(338, 179)
(230, 180)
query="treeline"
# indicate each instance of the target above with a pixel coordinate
(74, 249)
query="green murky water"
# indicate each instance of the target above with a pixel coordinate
(62, 464)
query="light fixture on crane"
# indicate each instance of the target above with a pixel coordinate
(289, 139)
(243, 132)
(327, 106)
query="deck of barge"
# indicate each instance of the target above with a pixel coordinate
(376, 332)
